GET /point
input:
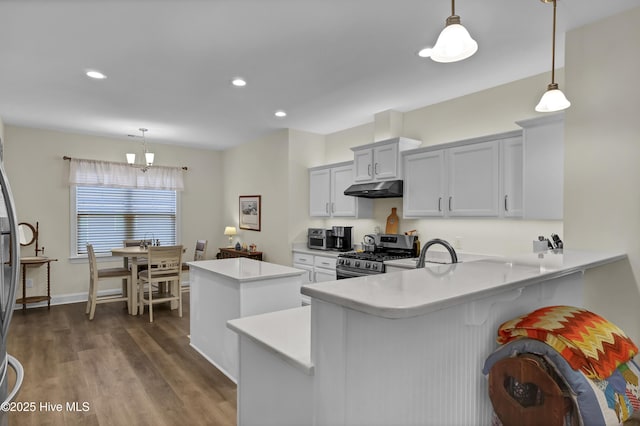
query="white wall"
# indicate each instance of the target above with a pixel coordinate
(260, 167)
(39, 176)
(602, 160)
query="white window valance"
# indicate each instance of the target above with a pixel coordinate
(122, 175)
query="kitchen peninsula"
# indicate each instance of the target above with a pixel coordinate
(232, 288)
(401, 348)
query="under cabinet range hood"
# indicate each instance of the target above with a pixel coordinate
(384, 189)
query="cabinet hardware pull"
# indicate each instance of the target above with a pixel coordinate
(506, 208)
(450, 203)
(368, 169)
(439, 204)
(375, 168)
(326, 207)
(333, 207)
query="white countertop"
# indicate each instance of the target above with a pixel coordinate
(419, 291)
(434, 256)
(243, 269)
(286, 333)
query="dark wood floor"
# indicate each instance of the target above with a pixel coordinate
(122, 369)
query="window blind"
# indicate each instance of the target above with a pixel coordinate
(106, 216)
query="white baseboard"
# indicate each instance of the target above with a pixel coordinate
(63, 299)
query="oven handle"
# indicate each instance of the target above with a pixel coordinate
(343, 274)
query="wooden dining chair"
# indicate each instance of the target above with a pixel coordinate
(95, 275)
(199, 254)
(164, 266)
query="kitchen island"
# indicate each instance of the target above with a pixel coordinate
(225, 289)
(408, 347)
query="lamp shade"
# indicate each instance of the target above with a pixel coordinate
(454, 44)
(230, 230)
(148, 156)
(131, 158)
(553, 100)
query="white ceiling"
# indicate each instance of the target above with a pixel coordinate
(331, 64)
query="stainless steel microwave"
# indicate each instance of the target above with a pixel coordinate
(319, 239)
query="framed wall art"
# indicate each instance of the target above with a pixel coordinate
(250, 212)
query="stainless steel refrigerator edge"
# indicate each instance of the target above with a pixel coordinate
(10, 258)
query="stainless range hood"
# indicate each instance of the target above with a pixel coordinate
(385, 189)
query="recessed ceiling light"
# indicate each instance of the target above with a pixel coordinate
(280, 114)
(239, 82)
(425, 53)
(95, 74)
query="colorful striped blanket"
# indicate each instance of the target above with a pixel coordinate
(587, 341)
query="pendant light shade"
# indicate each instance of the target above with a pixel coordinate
(553, 99)
(454, 43)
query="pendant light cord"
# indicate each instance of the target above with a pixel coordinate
(453, 7)
(553, 46)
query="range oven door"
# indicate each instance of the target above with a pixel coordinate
(344, 273)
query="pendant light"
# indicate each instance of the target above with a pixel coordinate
(148, 156)
(553, 99)
(454, 43)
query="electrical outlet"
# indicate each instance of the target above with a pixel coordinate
(29, 283)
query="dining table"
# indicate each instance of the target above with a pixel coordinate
(132, 256)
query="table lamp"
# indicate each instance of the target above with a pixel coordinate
(230, 231)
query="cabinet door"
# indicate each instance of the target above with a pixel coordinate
(308, 278)
(512, 173)
(385, 162)
(319, 192)
(342, 205)
(474, 179)
(321, 275)
(363, 165)
(424, 184)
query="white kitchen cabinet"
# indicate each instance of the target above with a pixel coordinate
(319, 192)
(473, 179)
(543, 166)
(324, 268)
(512, 157)
(326, 193)
(321, 267)
(424, 184)
(467, 178)
(380, 160)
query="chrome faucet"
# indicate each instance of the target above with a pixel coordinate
(423, 254)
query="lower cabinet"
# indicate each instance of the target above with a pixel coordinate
(320, 268)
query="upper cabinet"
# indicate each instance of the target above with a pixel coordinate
(326, 193)
(543, 166)
(380, 160)
(511, 167)
(473, 178)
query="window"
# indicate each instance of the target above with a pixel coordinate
(106, 216)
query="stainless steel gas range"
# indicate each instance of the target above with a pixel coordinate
(380, 248)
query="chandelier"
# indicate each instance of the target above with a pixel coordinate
(147, 156)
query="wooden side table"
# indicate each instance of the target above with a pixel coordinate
(35, 261)
(226, 253)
